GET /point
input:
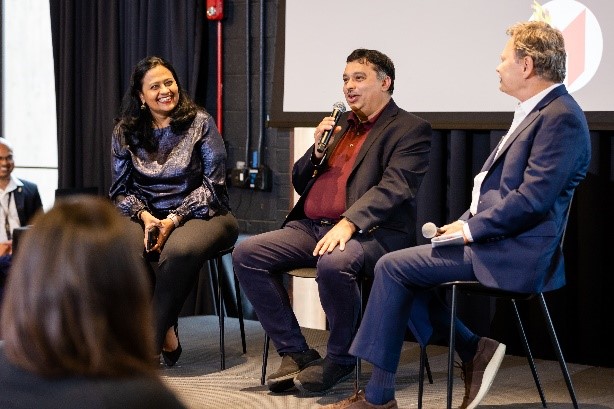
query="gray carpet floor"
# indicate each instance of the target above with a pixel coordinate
(199, 383)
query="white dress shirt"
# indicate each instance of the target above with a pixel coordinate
(7, 206)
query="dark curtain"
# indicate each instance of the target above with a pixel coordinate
(95, 45)
(582, 310)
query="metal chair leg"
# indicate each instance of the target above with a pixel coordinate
(527, 349)
(220, 311)
(427, 366)
(240, 313)
(421, 376)
(476, 288)
(215, 265)
(451, 348)
(424, 364)
(265, 358)
(557, 349)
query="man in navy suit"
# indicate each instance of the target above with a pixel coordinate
(19, 201)
(511, 232)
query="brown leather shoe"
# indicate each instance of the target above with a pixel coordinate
(358, 401)
(480, 372)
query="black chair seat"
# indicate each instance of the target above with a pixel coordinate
(475, 288)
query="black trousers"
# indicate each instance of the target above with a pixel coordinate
(183, 255)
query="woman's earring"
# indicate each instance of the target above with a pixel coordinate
(143, 106)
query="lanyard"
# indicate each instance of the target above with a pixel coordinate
(7, 226)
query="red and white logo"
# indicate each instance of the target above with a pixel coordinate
(583, 38)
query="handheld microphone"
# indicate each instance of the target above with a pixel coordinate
(338, 109)
(429, 230)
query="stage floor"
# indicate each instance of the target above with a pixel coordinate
(199, 382)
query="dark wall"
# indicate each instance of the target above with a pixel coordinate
(244, 119)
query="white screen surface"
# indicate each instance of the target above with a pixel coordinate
(445, 52)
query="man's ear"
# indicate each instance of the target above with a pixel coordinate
(386, 83)
(527, 66)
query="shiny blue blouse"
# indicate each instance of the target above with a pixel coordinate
(185, 176)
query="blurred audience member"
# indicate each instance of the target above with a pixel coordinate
(19, 201)
(76, 319)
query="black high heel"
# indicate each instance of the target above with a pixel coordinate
(171, 357)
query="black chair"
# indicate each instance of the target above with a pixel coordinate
(476, 288)
(311, 272)
(215, 264)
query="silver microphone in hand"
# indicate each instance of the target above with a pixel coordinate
(429, 230)
(338, 109)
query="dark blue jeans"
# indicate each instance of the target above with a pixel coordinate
(259, 263)
(402, 296)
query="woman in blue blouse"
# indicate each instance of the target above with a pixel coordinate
(169, 172)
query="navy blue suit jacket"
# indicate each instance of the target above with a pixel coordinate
(27, 201)
(525, 196)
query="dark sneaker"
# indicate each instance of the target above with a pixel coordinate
(321, 376)
(358, 401)
(291, 364)
(480, 372)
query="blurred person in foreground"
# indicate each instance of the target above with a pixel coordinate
(169, 177)
(76, 318)
(511, 231)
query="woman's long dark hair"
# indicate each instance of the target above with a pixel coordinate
(137, 123)
(77, 300)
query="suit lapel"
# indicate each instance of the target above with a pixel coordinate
(523, 125)
(376, 132)
(533, 115)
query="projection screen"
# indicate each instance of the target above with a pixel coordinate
(445, 53)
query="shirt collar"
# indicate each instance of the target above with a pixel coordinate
(528, 105)
(368, 124)
(13, 184)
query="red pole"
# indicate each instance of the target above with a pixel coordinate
(219, 76)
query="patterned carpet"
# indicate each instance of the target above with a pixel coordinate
(199, 382)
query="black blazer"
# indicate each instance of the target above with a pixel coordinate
(27, 201)
(382, 186)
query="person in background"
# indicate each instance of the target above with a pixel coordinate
(169, 178)
(19, 202)
(76, 318)
(357, 203)
(511, 231)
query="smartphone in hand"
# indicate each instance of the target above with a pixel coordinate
(152, 238)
